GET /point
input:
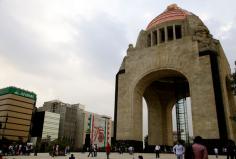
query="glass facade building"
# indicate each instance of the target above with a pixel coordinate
(51, 126)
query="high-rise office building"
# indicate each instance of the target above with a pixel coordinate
(51, 126)
(71, 121)
(46, 125)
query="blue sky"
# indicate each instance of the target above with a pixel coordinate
(71, 50)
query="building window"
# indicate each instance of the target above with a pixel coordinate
(162, 35)
(178, 31)
(54, 107)
(149, 40)
(170, 33)
(154, 37)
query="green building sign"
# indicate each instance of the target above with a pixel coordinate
(18, 92)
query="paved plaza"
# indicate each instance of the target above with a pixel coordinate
(102, 156)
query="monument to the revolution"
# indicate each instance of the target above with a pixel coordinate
(174, 57)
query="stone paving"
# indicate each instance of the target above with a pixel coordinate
(102, 155)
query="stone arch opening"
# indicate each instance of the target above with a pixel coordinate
(196, 57)
(161, 90)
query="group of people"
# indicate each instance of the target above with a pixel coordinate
(93, 150)
(195, 151)
(17, 149)
(198, 151)
(57, 151)
(121, 149)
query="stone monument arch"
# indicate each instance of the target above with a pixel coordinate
(174, 57)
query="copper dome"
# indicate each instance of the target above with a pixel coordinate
(173, 12)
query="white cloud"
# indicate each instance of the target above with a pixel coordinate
(71, 50)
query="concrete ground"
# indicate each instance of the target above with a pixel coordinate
(102, 155)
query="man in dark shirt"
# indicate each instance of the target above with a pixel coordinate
(72, 157)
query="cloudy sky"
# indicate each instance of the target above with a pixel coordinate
(71, 49)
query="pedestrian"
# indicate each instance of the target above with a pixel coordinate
(230, 150)
(216, 151)
(90, 150)
(95, 150)
(53, 150)
(179, 150)
(140, 157)
(224, 150)
(157, 150)
(71, 156)
(36, 150)
(108, 150)
(119, 150)
(198, 149)
(57, 150)
(67, 149)
(131, 150)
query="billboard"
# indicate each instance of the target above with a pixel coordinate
(98, 128)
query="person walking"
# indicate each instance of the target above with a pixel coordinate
(231, 150)
(140, 157)
(179, 150)
(91, 150)
(54, 150)
(72, 157)
(157, 151)
(57, 150)
(119, 149)
(95, 149)
(130, 149)
(108, 150)
(198, 149)
(216, 152)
